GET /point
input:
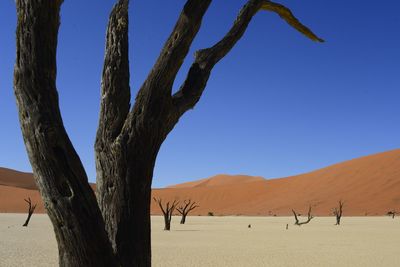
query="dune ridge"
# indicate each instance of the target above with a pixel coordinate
(368, 185)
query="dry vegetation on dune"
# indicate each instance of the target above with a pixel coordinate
(227, 241)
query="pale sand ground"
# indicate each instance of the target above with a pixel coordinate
(226, 241)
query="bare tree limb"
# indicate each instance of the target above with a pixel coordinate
(309, 217)
(155, 93)
(115, 90)
(288, 16)
(192, 88)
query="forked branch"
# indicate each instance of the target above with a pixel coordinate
(309, 217)
(205, 59)
(186, 208)
(167, 211)
(338, 211)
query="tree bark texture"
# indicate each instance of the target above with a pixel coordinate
(115, 229)
(59, 174)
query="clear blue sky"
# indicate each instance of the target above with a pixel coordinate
(277, 105)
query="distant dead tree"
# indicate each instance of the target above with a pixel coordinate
(309, 217)
(338, 211)
(186, 208)
(391, 213)
(169, 209)
(31, 209)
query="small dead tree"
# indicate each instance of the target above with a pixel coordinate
(392, 213)
(309, 217)
(167, 212)
(186, 208)
(31, 209)
(338, 211)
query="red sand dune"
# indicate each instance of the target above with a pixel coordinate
(369, 186)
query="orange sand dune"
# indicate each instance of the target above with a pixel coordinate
(12, 199)
(368, 186)
(17, 179)
(218, 180)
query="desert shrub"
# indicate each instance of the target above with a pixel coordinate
(210, 213)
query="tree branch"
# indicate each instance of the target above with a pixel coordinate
(288, 16)
(193, 206)
(160, 204)
(309, 217)
(191, 90)
(115, 90)
(154, 97)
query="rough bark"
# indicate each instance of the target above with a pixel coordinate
(127, 142)
(185, 209)
(59, 174)
(116, 231)
(31, 209)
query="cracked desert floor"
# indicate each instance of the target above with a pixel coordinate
(227, 241)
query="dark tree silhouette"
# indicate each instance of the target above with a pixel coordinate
(186, 208)
(338, 211)
(31, 209)
(167, 212)
(392, 213)
(113, 230)
(309, 217)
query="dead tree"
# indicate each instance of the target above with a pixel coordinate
(31, 209)
(186, 208)
(113, 230)
(167, 212)
(392, 213)
(309, 217)
(338, 211)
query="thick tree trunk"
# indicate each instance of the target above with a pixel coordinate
(167, 221)
(337, 220)
(125, 203)
(183, 219)
(59, 174)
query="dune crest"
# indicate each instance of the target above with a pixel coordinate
(368, 185)
(219, 180)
